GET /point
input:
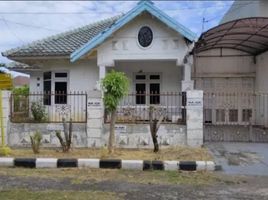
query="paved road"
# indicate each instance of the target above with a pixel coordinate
(241, 158)
(251, 188)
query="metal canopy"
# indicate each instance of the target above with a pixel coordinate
(249, 35)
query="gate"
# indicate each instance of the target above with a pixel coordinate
(235, 117)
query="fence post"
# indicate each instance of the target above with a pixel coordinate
(95, 117)
(194, 119)
(4, 115)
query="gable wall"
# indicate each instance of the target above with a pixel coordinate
(123, 45)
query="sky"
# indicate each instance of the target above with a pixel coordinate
(22, 22)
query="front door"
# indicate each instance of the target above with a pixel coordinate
(147, 88)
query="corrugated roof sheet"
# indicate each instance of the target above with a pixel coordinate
(62, 44)
(248, 35)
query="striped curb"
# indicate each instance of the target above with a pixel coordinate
(109, 164)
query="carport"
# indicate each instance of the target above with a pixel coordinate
(231, 66)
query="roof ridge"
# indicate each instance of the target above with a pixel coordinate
(62, 34)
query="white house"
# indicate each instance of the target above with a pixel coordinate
(162, 61)
(150, 47)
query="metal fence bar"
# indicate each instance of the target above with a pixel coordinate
(236, 108)
(48, 107)
(134, 108)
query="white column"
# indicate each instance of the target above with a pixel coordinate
(5, 116)
(187, 83)
(102, 73)
(194, 118)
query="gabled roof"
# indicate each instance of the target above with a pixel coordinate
(62, 44)
(142, 6)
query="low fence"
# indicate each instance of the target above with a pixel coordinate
(135, 107)
(234, 108)
(48, 107)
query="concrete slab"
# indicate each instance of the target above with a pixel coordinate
(241, 158)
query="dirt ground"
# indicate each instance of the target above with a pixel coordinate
(175, 153)
(27, 184)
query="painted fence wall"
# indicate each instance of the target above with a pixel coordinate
(5, 115)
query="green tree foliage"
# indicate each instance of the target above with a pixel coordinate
(115, 87)
(23, 90)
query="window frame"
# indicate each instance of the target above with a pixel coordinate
(147, 81)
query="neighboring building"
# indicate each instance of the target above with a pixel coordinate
(231, 66)
(246, 9)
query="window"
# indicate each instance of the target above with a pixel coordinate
(140, 93)
(233, 115)
(59, 82)
(154, 93)
(60, 75)
(246, 115)
(150, 84)
(220, 115)
(154, 77)
(140, 77)
(47, 88)
(60, 92)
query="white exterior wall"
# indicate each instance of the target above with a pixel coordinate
(224, 66)
(123, 45)
(262, 89)
(239, 70)
(169, 72)
(82, 75)
(261, 73)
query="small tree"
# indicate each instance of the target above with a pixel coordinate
(155, 117)
(67, 141)
(115, 87)
(36, 141)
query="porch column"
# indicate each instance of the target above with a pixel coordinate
(187, 83)
(102, 73)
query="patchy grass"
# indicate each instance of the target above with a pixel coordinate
(174, 153)
(57, 195)
(78, 176)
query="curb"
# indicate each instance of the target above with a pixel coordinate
(109, 164)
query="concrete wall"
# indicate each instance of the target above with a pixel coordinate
(131, 136)
(19, 134)
(139, 136)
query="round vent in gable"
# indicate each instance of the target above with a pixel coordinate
(145, 36)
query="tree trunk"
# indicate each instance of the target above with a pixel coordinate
(154, 135)
(112, 136)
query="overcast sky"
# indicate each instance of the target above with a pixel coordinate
(24, 21)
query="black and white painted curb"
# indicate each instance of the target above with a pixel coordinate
(108, 164)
